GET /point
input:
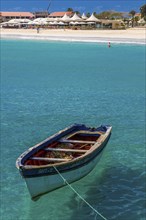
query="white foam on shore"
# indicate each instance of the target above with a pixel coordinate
(75, 39)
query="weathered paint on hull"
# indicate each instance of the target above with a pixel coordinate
(40, 185)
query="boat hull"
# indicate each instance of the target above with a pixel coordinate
(43, 178)
(47, 183)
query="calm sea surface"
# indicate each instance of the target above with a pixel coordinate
(46, 86)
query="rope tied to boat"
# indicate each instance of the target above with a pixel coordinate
(87, 203)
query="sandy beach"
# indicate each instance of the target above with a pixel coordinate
(133, 35)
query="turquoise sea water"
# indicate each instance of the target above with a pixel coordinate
(46, 86)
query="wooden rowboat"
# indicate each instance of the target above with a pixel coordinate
(72, 152)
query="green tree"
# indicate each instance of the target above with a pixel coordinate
(88, 14)
(70, 9)
(77, 12)
(143, 11)
(132, 13)
(117, 15)
(110, 15)
(136, 19)
(104, 15)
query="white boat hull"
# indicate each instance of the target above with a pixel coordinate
(43, 184)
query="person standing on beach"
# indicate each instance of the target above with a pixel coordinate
(38, 30)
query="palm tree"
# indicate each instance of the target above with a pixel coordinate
(77, 12)
(143, 11)
(88, 14)
(70, 9)
(132, 13)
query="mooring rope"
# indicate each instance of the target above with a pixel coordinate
(65, 181)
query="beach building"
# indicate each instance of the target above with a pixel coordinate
(60, 14)
(6, 16)
(41, 14)
(138, 15)
(112, 24)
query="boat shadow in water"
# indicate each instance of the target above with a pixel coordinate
(118, 193)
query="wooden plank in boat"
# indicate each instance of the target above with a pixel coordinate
(66, 150)
(50, 159)
(77, 141)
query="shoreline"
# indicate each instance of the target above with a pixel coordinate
(130, 36)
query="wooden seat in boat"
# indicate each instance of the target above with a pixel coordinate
(65, 150)
(50, 159)
(76, 141)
